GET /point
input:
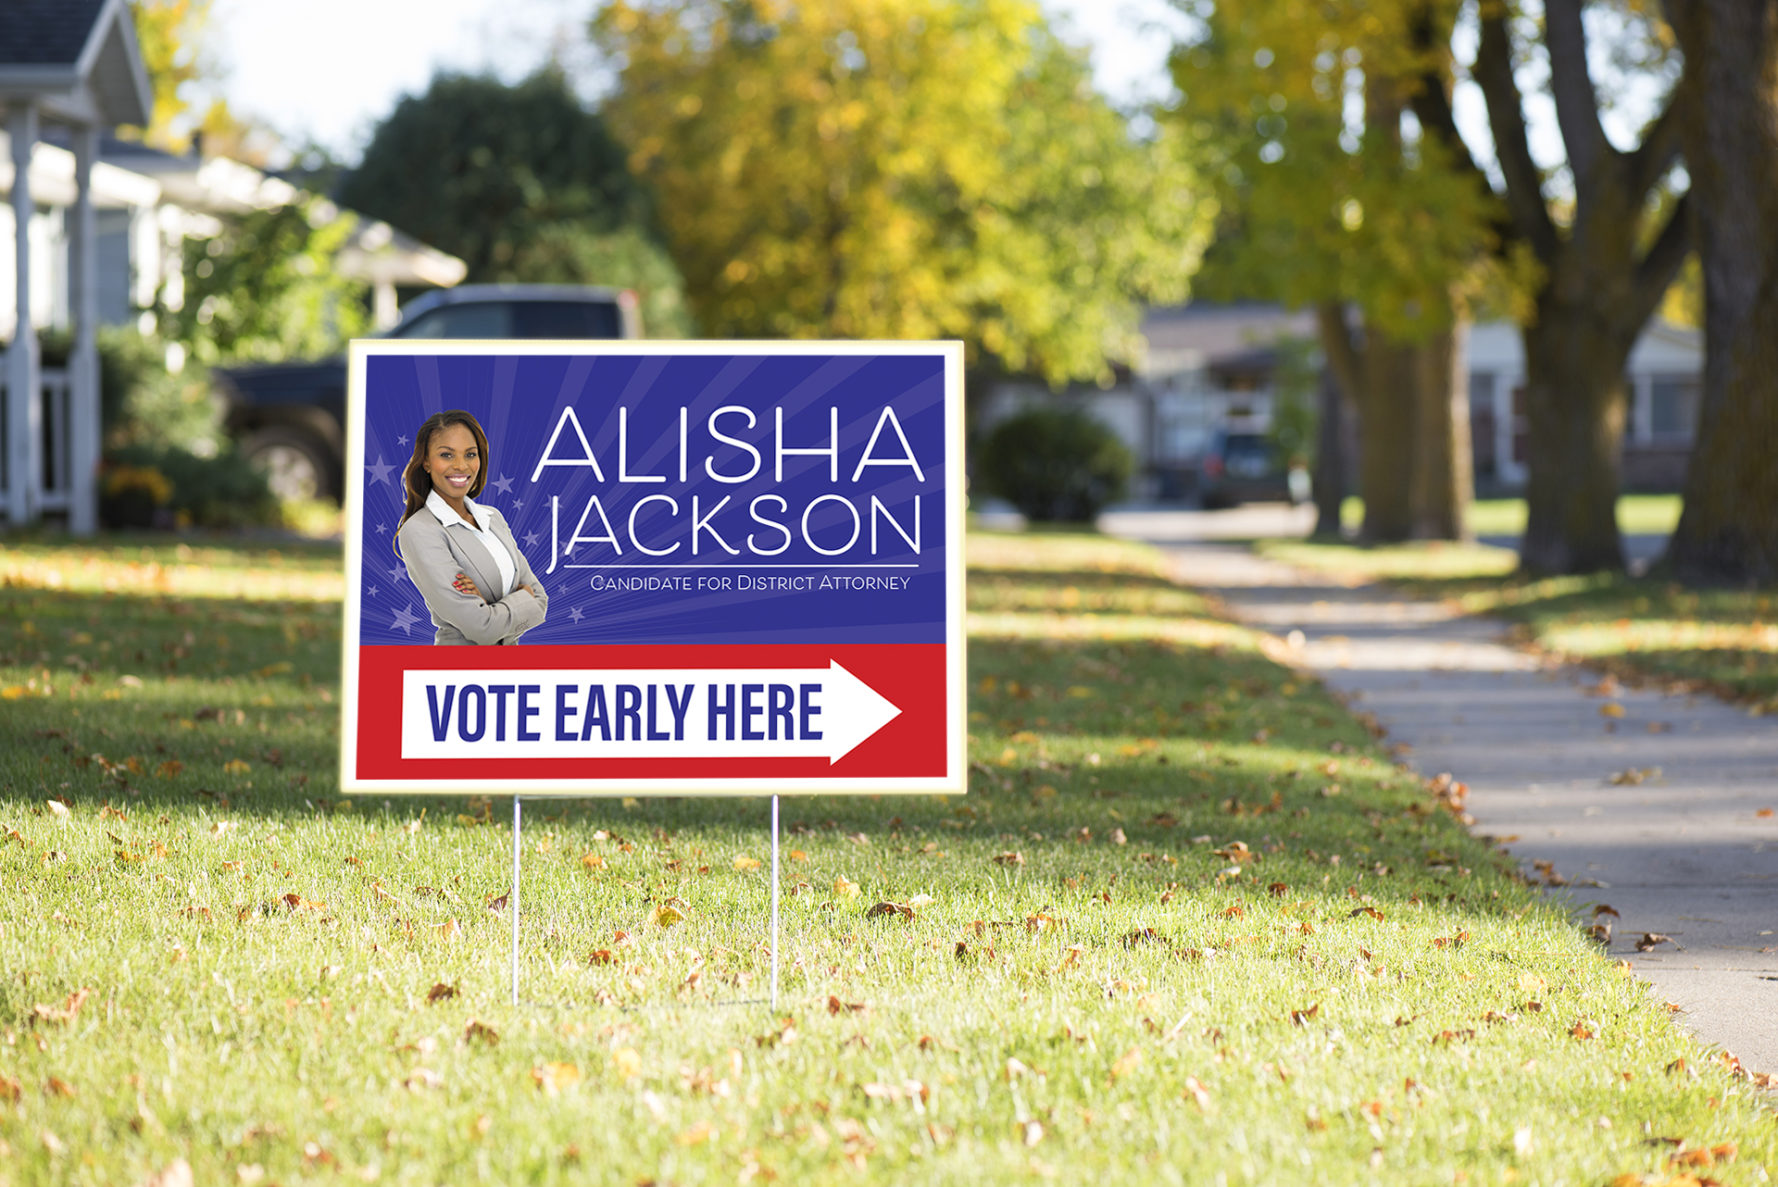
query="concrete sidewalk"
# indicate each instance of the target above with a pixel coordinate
(1677, 845)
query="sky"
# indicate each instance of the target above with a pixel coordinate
(326, 71)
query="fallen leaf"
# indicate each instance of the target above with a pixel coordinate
(626, 1063)
(1368, 912)
(440, 992)
(900, 909)
(697, 1135)
(1126, 1063)
(481, 1032)
(57, 808)
(1298, 1017)
(744, 864)
(235, 766)
(66, 1012)
(176, 1173)
(554, 1076)
(56, 1086)
(1011, 858)
(921, 900)
(1031, 1132)
(422, 1077)
(449, 929)
(1581, 1029)
(836, 1006)
(845, 887)
(1611, 709)
(592, 861)
(1197, 1092)
(666, 915)
(1651, 940)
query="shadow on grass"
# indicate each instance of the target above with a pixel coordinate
(1093, 759)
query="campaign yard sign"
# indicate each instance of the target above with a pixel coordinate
(751, 554)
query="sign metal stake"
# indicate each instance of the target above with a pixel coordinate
(515, 899)
(774, 903)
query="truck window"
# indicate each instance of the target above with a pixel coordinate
(567, 319)
(476, 319)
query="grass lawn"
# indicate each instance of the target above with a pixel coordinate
(1723, 641)
(1189, 925)
(1637, 515)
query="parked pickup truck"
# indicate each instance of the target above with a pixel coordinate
(290, 417)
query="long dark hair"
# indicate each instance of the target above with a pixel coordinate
(415, 479)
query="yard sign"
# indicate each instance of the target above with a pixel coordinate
(753, 555)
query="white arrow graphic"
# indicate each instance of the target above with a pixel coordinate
(640, 713)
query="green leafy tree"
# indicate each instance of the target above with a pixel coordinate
(522, 183)
(1599, 247)
(174, 39)
(267, 289)
(900, 169)
(1335, 202)
(1728, 530)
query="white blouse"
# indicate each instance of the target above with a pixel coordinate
(509, 574)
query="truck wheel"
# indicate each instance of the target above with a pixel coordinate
(297, 467)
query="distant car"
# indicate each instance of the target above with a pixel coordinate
(1245, 467)
(289, 418)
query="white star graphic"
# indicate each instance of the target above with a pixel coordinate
(397, 573)
(372, 591)
(518, 504)
(404, 621)
(379, 470)
(503, 484)
(575, 614)
(402, 441)
(382, 529)
(531, 539)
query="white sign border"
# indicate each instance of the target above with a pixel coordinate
(955, 779)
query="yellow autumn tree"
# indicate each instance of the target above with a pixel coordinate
(900, 169)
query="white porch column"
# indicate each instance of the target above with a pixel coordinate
(24, 404)
(384, 311)
(83, 303)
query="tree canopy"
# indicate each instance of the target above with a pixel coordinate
(900, 169)
(523, 183)
(266, 289)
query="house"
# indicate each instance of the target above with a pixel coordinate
(73, 65)
(94, 232)
(1210, 364)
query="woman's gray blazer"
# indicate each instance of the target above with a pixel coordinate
(436, 552)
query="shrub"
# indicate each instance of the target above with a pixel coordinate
(221, 491)
(1055, 465)
(145, 404)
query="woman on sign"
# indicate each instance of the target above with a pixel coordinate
(459, 554)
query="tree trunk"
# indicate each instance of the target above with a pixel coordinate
(1728, 530)
(1575, 400)
(1330, 457)
(1441, 478)
(1389, 375)
(1412, 402)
